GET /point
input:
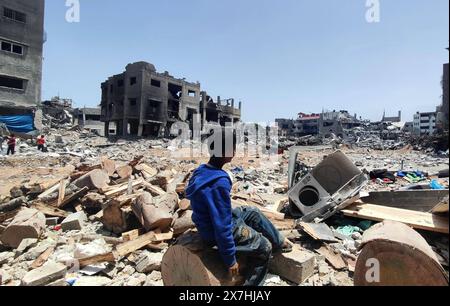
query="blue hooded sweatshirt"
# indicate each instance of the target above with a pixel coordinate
(209, 192)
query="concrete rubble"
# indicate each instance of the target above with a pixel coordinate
(92, 236)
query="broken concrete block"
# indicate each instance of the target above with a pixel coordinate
(5, 277)
(52, 221)
(154, 279)
(28, 223)
(5, 257)
(59, 283)
(26, 244)
(138, 279)
(149, 262)
(74, 222)
(296, 266)
(44, 275)
(92, 281)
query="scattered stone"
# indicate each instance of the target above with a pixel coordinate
(149, 262)
(26, 244)
(92, 281)
(74, 222)
(44, 275)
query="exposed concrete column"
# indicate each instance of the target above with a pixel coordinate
(240, 105)
(204, 103)
(107, 128)
(125, 127)
(232, 103)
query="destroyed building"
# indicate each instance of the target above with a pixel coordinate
(323, 124)
(424, 123)
(443, 109)
(392, 119)
(143, 102)
(88, 118)
(21, 39)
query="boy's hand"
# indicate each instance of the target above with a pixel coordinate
(234, 270)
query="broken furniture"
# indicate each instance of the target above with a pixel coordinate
(331, 186)
(393, 254)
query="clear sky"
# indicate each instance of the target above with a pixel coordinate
(279, 57)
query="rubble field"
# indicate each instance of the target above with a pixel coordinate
(99, 212)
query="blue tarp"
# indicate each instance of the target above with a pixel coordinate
(18, 123)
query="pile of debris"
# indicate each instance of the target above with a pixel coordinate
(111, 220)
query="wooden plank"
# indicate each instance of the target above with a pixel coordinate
(75, 196)
(42, 258)
(123, 188)
(50, 191)
(136, 244)
(154, 190)
(415, 219)
(61, 192)
(441, 207)
(335, 260)
(142, 241)
(107, 257)
(160, 237)
(50, 210)
(131, 235)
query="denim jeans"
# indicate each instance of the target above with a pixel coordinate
(255, 238)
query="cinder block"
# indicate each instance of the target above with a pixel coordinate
(296, 266)
(74, 221)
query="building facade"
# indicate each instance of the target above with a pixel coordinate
(142, 102)
(22, 39)
(90, 119)
(424, 123)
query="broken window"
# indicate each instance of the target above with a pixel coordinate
(6, 46)
(133, 102)
(192, 93)
(14, 15)
(120, 83)
(17, 49)
(12, 83)
(11, 47)
(156, 83)
(154, 107)
(133, 80)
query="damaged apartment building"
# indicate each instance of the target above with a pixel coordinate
(143, 102)
(323, 125)
(21, 40)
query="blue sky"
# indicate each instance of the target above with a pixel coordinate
(279, 57)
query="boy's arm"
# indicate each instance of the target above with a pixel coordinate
(221, 217)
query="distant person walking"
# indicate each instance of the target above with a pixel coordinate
(41, 143)
(11, 144)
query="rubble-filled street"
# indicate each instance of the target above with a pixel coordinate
(74, 215)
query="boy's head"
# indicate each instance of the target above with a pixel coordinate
(42, 136)
(222, 144)
(12, 135)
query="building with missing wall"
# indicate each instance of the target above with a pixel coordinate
(143, 102)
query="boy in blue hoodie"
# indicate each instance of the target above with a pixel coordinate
(242, 231)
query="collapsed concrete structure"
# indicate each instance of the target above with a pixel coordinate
(324, 124)
(88, 118)
(21, 39)
(143, 102)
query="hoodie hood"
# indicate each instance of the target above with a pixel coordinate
(204, 175)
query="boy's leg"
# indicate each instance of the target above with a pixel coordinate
(256, 248)
(255, 219)
(8, 151)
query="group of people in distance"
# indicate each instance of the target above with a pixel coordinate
(11, 142)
